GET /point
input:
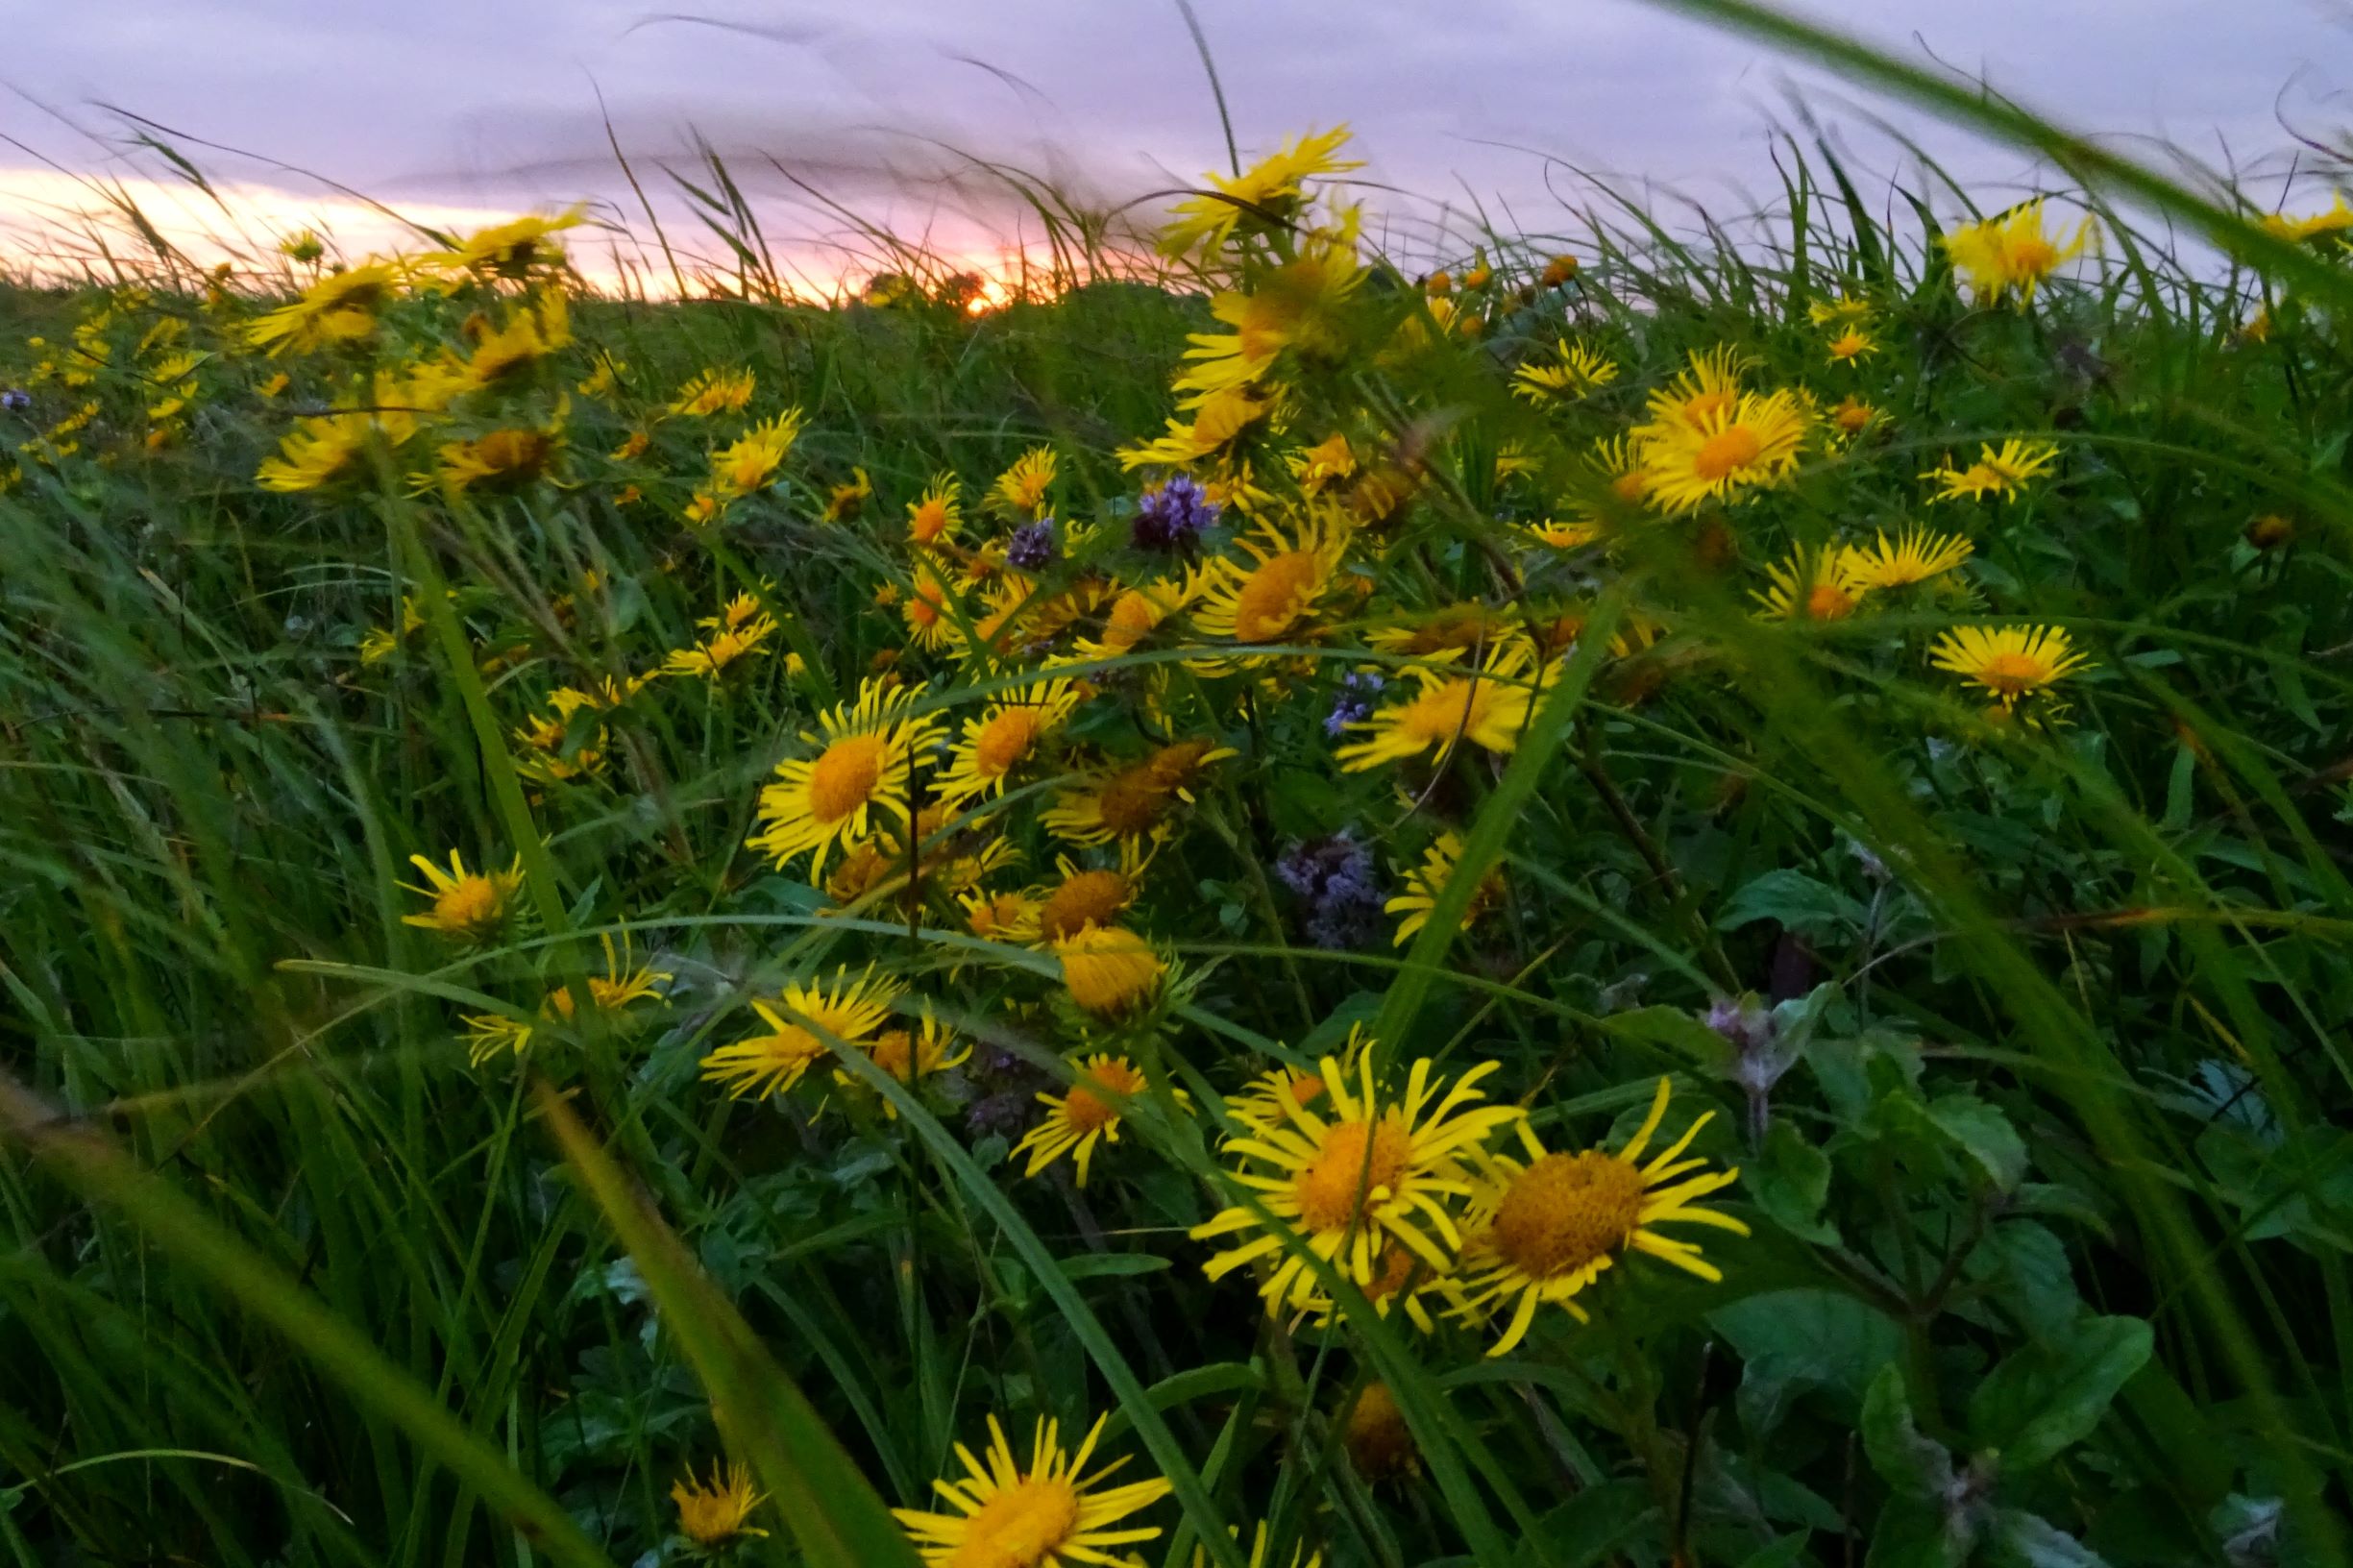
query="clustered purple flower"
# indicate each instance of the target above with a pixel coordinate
(1031, 546)
(1338, 888)
(1173, 517)
(16, 400)
(1354, 701)
(1008, 1086)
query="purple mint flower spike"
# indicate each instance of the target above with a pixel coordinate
(1031, 547)
(1340, 890)
(1173, 518)
(1354, 702)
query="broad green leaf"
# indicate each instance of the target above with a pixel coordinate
(2047, 1397)
(1913, 1463)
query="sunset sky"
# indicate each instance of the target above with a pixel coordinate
(462, 109)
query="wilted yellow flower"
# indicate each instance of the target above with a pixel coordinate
(716, 1514)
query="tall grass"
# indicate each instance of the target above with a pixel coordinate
(2044, 1146)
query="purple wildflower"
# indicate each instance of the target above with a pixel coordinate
(1339, 889)
(1354, 701)
(16, 400)
(1173, 518)
(1031, 546)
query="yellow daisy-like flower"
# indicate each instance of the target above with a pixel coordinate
(468, 906)
(1426, 881)
(1916, 555)
(1131, 802)
(1294, 307)
(1087, 1114)
(380, 643)
(512, 249)
(1487, 706)
(1109, 971)
(1545, 1228)
(934, 517)
(1555, 534)
(1003, 737)
(1380, 1443)
(1351, 1179)
(716, 1514)
(1999, 471)
(868, 757)
(1021, 489)
(330, 450)
(1851, 417)
(1813, 584)
(1845, 311)
(1452, 630)
(2010, 662)
(1576, 371)
(911, 1056)
(1287, 577)
(1752, 441)
(711, 392)
(721, 651)
(2336, 220)
(749, 462)
(2012, 253)
(533, 333)
(1136, 613)
(623, 982)
(1267, 193)
(500, 460)
(850, 1008)
(1325, 463)
(340, 308)
(1849, 346)
(1049, 1514)
(844, 501)
(1707, 387)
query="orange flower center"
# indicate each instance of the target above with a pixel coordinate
(1378, 1441)
(844, 777)
(1089, 898)
(1361, 1163)
(1088, 1112)
(1019, 1527)
(1566, 1211)
(1726, 452)
(1005, 740)
(1705, 405)
(1276, 596)
(928, 522)
(1131, 618)
(1132, 801)
(1828, 601)
(2013, 675)
(470, 904)
(2032, 256)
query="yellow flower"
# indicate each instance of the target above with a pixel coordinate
(1487, 707)
(2012, 253)
(1288, 577)
(715, 1514)
(2010, 662)
(1753, 440)
(714, 392)
(1915, 555)
(845, 501)
(1845, 311)
(1131, 802)
(1301, 1557)
(1851, 345)
(623, 982)
(1708, 386)
(2336, 220)
(1294, 307)
(750, 461)
(1379, 1442)
(503, 459)
(340, 308)
(1325, 463)
(1575, 372)
(1052, 1514)
(304, 246)
(1852, 416)
(1137, 612)
(932, 521)
(381, 641)
(1560, 270)
(1021, 488)
(468, 906)
(715, 654)
(865, 767)
(1544, 1228)
(334, 448)
(2001, 471)
(511, 250)
(1813, 584)
(1088, 1114)
(1108, 969)
(910, 1056)
(1427, 880)
(1350, 1180)
(850, 1008)
(1006, 734)
(1267, 193)
(531, 335)
(1555, 534)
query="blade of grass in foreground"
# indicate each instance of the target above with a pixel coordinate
(181, 1228)
(835, 1514)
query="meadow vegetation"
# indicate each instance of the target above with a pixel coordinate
(1652, 899)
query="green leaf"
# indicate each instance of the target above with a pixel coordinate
(1794, 1340)
(1905, 1459)
(2035, 1541)
(1790, 1180)
(1115, 1264)
(1913, 1532)
(1800, 902)
(1678, 1032)
(2048, 1396)
(1985, 1135)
